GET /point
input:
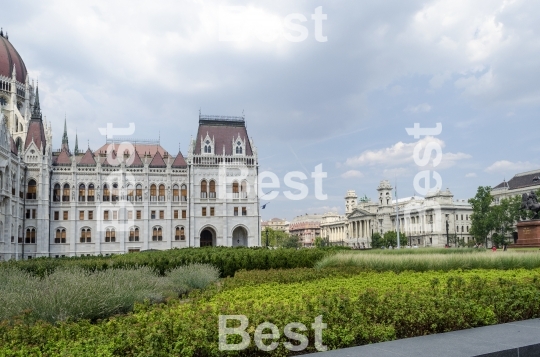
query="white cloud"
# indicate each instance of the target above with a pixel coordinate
(352, 174)
(402, 153)
(511, 167)
(421, 108)
(471, 174)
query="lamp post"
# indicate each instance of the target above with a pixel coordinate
(267, 242)
(447, 237)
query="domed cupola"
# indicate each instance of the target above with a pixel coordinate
(9, 57)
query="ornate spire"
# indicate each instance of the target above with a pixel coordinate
(36, 114)
(65, 141)
(76, 144)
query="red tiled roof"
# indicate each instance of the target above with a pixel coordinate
(136, 160)
(88, 158)
(9, 57)
(179, 161)
(157, 161)
(140, 148)
(113, 157)
(223, 133)
(35, 133)
(63, 158)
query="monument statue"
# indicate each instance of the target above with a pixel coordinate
(529, 201)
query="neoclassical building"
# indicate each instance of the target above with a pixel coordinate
(424, 220)
(126, 195)
(521, 183)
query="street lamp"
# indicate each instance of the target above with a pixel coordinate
(447, 237)
(267, 243)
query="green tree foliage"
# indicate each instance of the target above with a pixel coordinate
(377, 240)
(321, 242)
(291, 242)
(482, 220)
(390, 239)
(276, 238)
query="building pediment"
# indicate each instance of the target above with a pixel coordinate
(359, 213)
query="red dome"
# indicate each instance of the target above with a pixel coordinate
(9, 57)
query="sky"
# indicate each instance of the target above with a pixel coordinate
(338, 89)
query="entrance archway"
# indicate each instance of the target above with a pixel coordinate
(207, 237)
(239, 237)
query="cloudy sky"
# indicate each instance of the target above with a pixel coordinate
(342, 97)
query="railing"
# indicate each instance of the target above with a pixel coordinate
(203, 195)
(176, 198)
(161, 198)
(236, 195)
(153, 198)
(212, 195)
(183, 198)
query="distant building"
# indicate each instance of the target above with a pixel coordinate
(521, 183)
(276, 224)
(423, 220)
(307, 227)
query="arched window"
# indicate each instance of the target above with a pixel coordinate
(30, 237)
(60, 236)
(176, 193)
(162, 192)
(130, 192)
(86, 235)
(32, 190)
(82, 192)
(91, 192)
(467, 229)
(179, 233)
(110, 235)
(138, 192)
(134, 234)
(462, 229)
(212, 187)
(183, 193)
(114, 192)
(157, 234)
(243, 189)
(106, 193)
(204, 189)
(56, 193)
(65, 193)
(235, 192)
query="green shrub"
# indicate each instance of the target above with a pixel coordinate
(227, 260)
(71, 293)
(364, 308)
(194, 276)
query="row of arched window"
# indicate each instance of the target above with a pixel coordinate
(110, 235)
(111, 193)
(462, 229)
(208, 189)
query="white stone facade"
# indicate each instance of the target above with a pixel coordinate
(422, 219)
(125, 196)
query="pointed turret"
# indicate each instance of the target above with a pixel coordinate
(36, 132)
(76, 144)
(65, 141)
(36, 113)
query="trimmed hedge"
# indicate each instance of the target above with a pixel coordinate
(227, 260)
(363, 308)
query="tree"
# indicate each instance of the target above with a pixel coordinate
(291, 242)
(377, 240)
(482, 220)
(275, 237)
(390, 239)
(321, 242)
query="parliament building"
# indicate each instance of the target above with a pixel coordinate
(125, 196)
